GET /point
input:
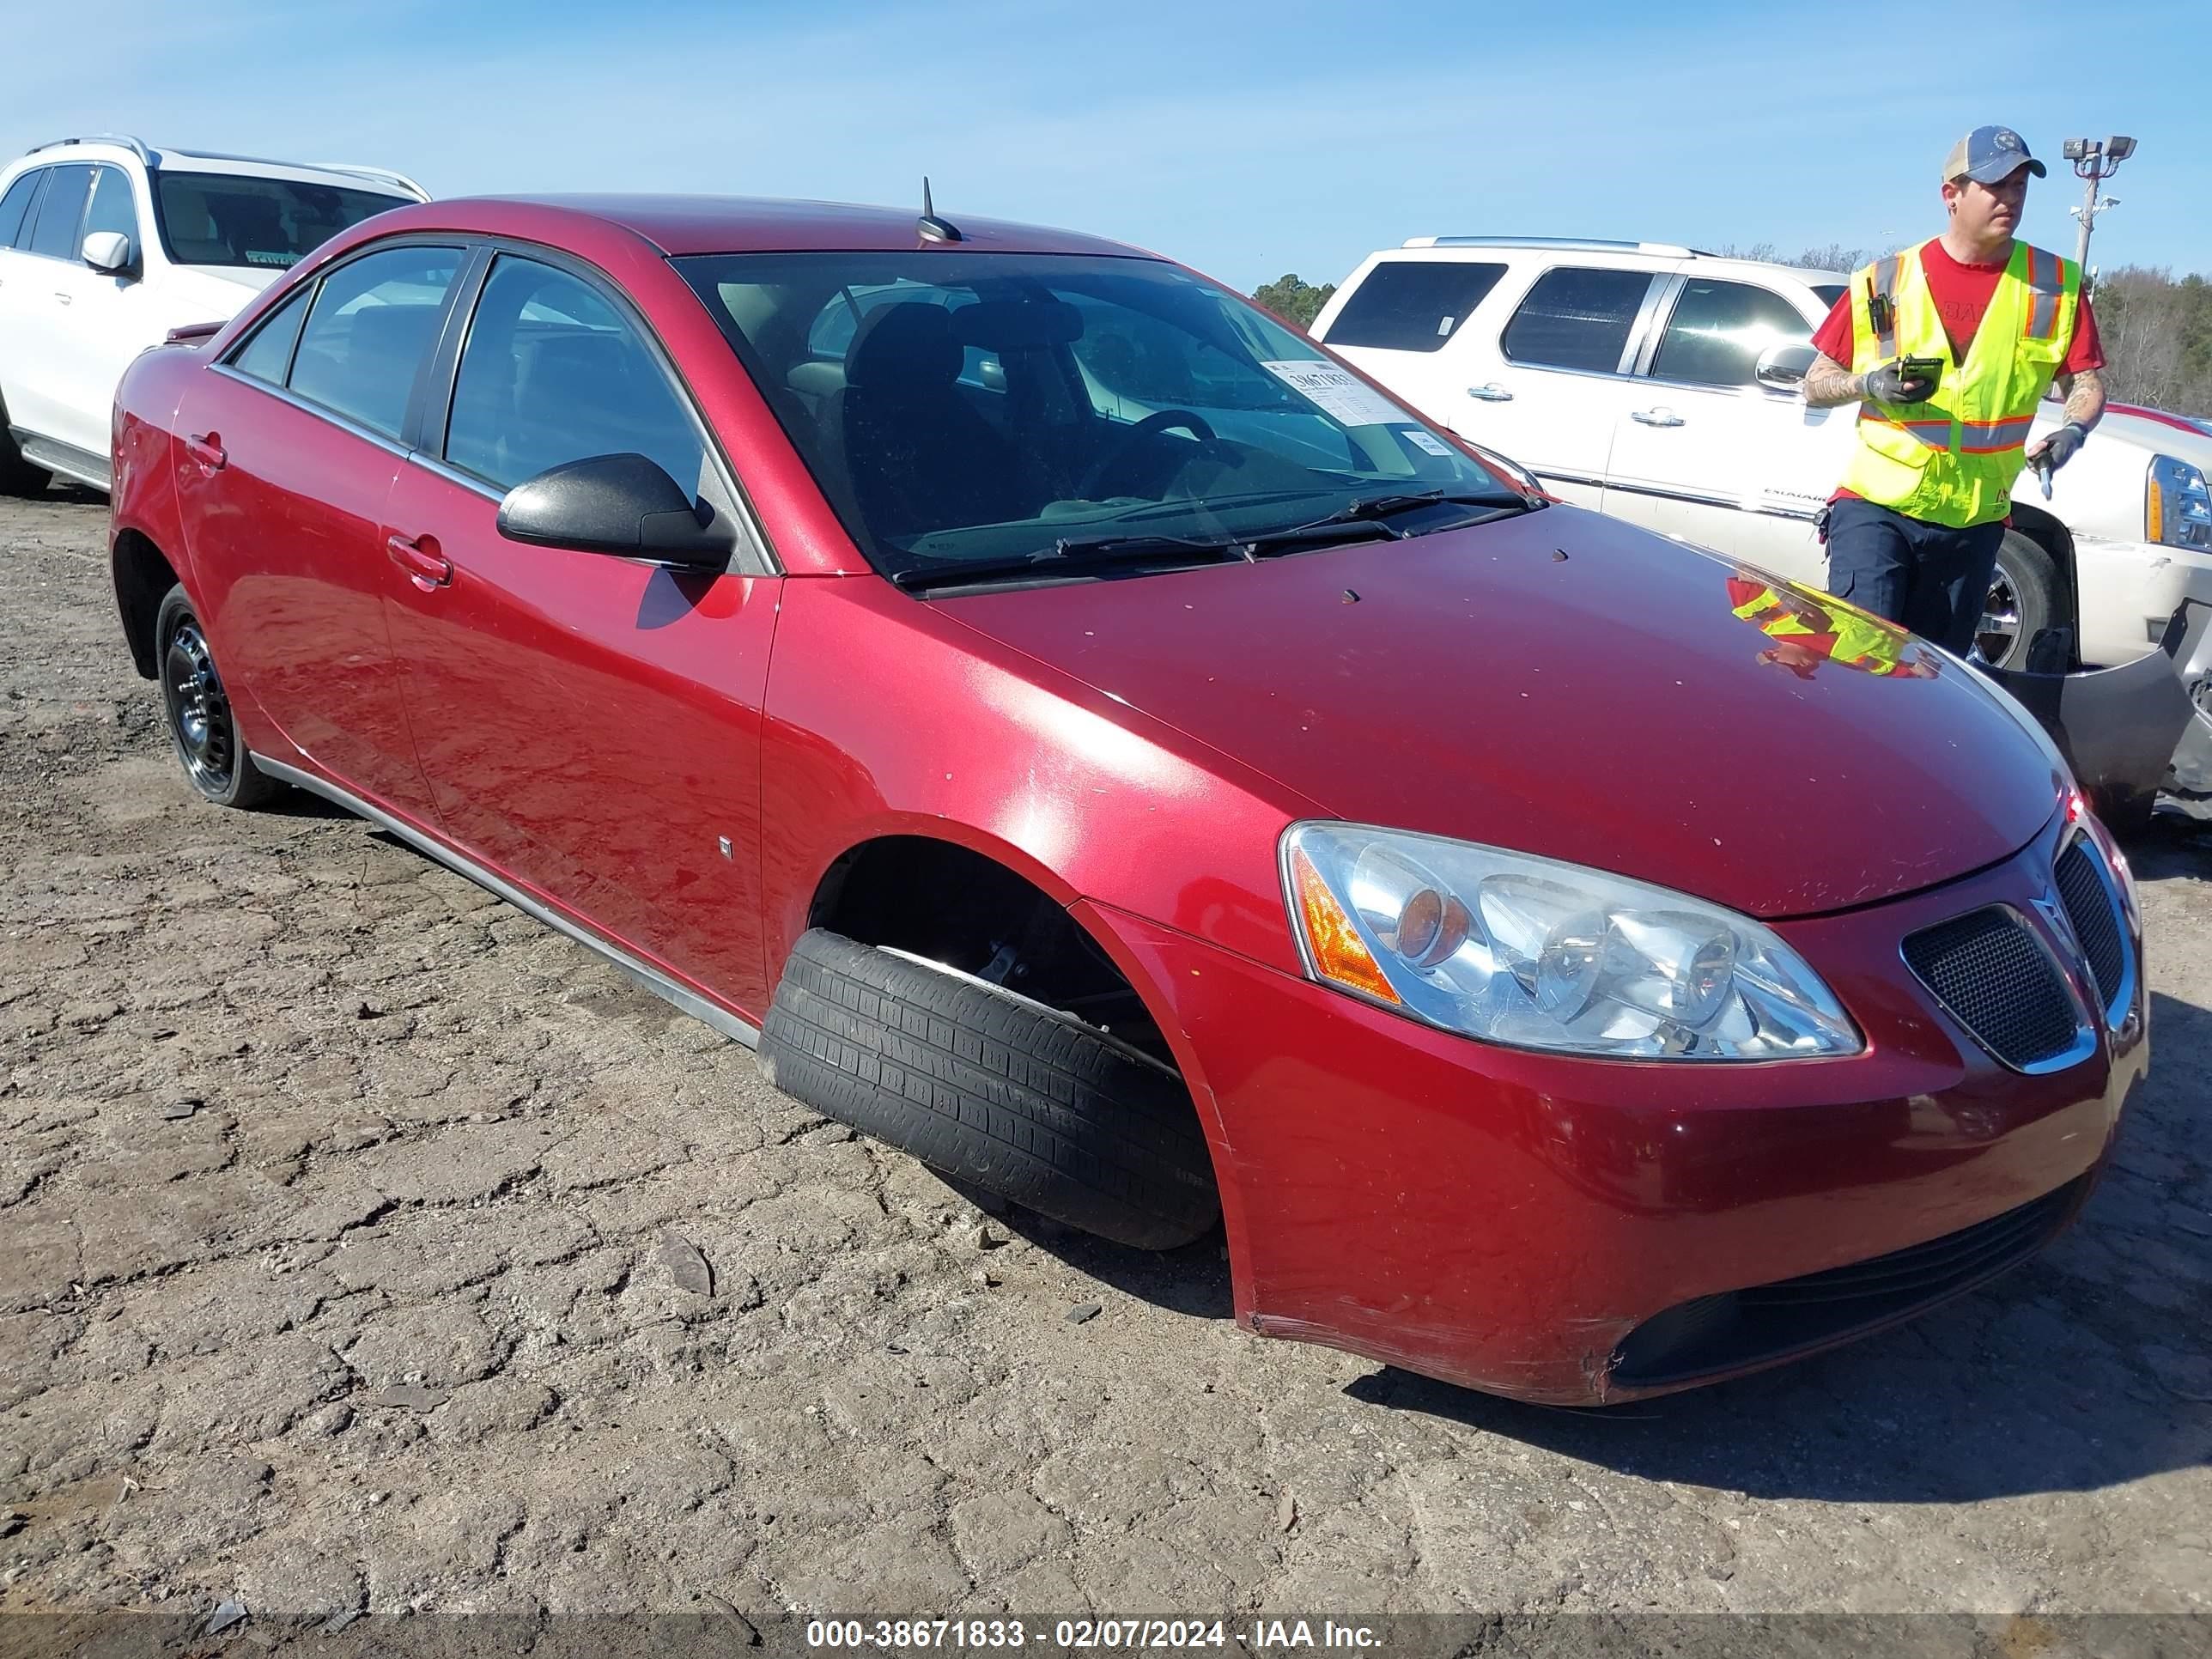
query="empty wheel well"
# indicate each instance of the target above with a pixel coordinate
(142, 577)
(950, 905)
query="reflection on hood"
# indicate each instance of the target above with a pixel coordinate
(1810, 628)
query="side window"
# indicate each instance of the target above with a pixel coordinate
(113, 208)
(373, 323)
(1718, 330)
(16, 205)
(552, 372)
(1413, 305)
(61, 211)
(269, 353)
(1577, 317)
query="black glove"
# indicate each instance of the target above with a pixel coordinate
(2049, 454)
(1887, 385)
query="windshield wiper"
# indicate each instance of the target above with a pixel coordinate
(1375, 508)
(1076, 556)
(1369, 515)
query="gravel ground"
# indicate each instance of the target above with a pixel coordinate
(366, 1245)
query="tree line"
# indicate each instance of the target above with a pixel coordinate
(2156, 328)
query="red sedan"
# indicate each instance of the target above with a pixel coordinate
(1080, 732)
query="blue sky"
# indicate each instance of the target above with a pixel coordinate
(1247, 140)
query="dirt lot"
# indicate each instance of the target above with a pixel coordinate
(391, 1318)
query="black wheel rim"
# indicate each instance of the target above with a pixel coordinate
(1998, 631)
(199, 713)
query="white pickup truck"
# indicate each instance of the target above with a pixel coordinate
(1661, 385)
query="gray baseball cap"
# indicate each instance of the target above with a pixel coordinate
(1989, 155)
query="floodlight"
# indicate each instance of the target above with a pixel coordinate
(2120, 148)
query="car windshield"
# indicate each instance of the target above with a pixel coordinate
(969, 410)
(247, 219)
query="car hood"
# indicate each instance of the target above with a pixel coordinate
(2159, 432)
(1563, 684)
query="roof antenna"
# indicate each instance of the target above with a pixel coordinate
(931, 228)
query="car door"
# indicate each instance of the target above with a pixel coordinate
(18, 213)
(589, 724)
(1707, 453)
(109, 318)
(39, 276)
(290, 448)
(1409, 322)
(1548, 388)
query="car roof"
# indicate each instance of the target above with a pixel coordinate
(678, 225)
(1652, 254)
(109, 146)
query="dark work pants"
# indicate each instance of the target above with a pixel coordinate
(1929, 577)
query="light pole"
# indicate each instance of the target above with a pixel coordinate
(2094, 161)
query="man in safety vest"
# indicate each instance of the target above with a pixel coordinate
(1948, 349)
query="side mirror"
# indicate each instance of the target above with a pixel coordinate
(625, 505)
(1784, 367)
(109, 251)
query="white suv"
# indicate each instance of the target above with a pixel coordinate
(1660, 385)
(107, 244)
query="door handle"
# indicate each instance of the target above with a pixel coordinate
(208, 452)
(63, 298)
(1492, 393)
(1660, 417)
(426, 567)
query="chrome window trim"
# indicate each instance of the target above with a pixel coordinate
(2085, 1030)
(643, 973)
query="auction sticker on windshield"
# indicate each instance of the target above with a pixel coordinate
(1337, 392)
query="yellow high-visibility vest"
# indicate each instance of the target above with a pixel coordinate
(1951, 459)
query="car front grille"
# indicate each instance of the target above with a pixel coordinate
(2089, 904)
(1998, 980)
(1712, 1334)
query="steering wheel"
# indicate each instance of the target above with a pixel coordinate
(1151, 427)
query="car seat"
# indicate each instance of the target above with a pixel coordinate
(919, 457)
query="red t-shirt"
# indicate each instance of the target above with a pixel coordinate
(1961, 294)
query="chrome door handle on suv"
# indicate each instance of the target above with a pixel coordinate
(1492, 393)
(1660, 417)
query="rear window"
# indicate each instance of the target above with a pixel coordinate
(373, 325)
(1413, 305)
(245, 219)
(1577, 317)
(61, 211)
(16, 203)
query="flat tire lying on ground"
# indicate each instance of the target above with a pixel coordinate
(988, 1087)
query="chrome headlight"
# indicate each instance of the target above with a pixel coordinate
(1538, 954)
(2176, 505)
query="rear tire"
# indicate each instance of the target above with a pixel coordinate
(197, 711)
(2023, 600)
(17, 475)
(991, 1089)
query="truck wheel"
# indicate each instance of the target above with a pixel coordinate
(17, 475)
(2023, 600)
(196, 710)
(987, 1086)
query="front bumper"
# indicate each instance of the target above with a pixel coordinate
(1507, 1220)
(2126, 591)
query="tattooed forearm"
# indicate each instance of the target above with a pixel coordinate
(2084, 397)
(1828, 383)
